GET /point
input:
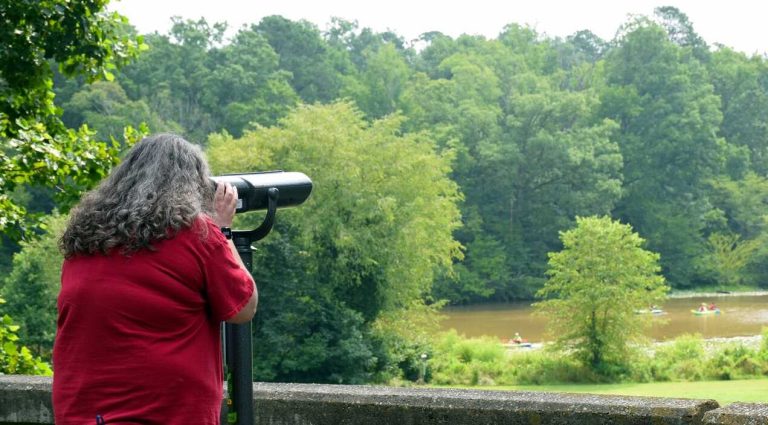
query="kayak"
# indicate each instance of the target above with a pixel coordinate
(706, 312)
(651, 311)
(519, 345)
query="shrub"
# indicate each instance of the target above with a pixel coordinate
(542, 367)
(735, 362)
(762, 352)
(468, 361)
(15, 359)
(683, 360)
(33, 285)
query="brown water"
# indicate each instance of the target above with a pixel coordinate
(741, 316)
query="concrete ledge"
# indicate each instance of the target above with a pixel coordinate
(303, 404)
(739, 414)
(27, 400)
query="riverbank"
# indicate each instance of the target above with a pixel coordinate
(710, 344)
(718, 293)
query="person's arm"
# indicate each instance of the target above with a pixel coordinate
(224, 205)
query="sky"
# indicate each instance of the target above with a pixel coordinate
(739, 24)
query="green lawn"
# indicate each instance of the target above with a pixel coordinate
(725, 392)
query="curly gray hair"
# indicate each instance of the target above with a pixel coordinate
(160, 187)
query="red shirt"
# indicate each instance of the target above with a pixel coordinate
(138, 337)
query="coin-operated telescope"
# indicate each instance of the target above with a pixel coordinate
(268, 191)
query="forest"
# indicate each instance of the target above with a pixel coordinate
(446, 169)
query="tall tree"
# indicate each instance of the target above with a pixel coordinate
(741, 214)
(170, 75)
(33, 285)
(246, 85)
(377, 89)
(105, 107)
(669, 116)
(315, 68)
(531, 154)
(596, 282)
(681, 32)
(35, 147)
(363, 249)
(742, 85)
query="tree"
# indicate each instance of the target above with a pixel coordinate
(729, 255)
(311, 62)
(35, 147)
(33, 285)
(680, 31)
(105, 108)
(742, 85)
(596, 282)
(362, 251)
(741, 212)
(16, 359)
(377, 89)
(170, 76)
(246, 85)
(530, 155)
(669, 117)
(191, 77)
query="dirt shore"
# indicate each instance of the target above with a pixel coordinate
(717, 294)
(710, 344)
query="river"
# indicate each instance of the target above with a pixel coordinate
(742, 315)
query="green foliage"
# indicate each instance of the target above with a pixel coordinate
(595, 284)
(456, 360)
(377, 90)
(33, 285)
(531, 154)
(729, 256)
(366, 245)
(741, 206)
(542, 129)
(683, 360)
(459, 361)
(669, 116)
(315, 67)
(736, 362)
(690, 358)
(35, 147)
(762, 351)
(15, 359)
(105, 107)
(741, 84)
(652, 128)
(467, 361)
(191, 79)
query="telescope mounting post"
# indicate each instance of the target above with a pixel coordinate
(238, 345)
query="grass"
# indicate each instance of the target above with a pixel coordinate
(724, 392)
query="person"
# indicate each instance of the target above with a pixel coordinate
(712, 307)
(147, 279)
(703, 307)
(517, 339)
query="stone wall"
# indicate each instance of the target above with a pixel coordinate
(27, 400)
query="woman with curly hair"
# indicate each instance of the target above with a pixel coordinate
(148, 277)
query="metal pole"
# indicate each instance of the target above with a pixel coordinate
(238, 353)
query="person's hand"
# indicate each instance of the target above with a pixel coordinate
(224, 204)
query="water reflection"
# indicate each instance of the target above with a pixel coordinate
(741, 316)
